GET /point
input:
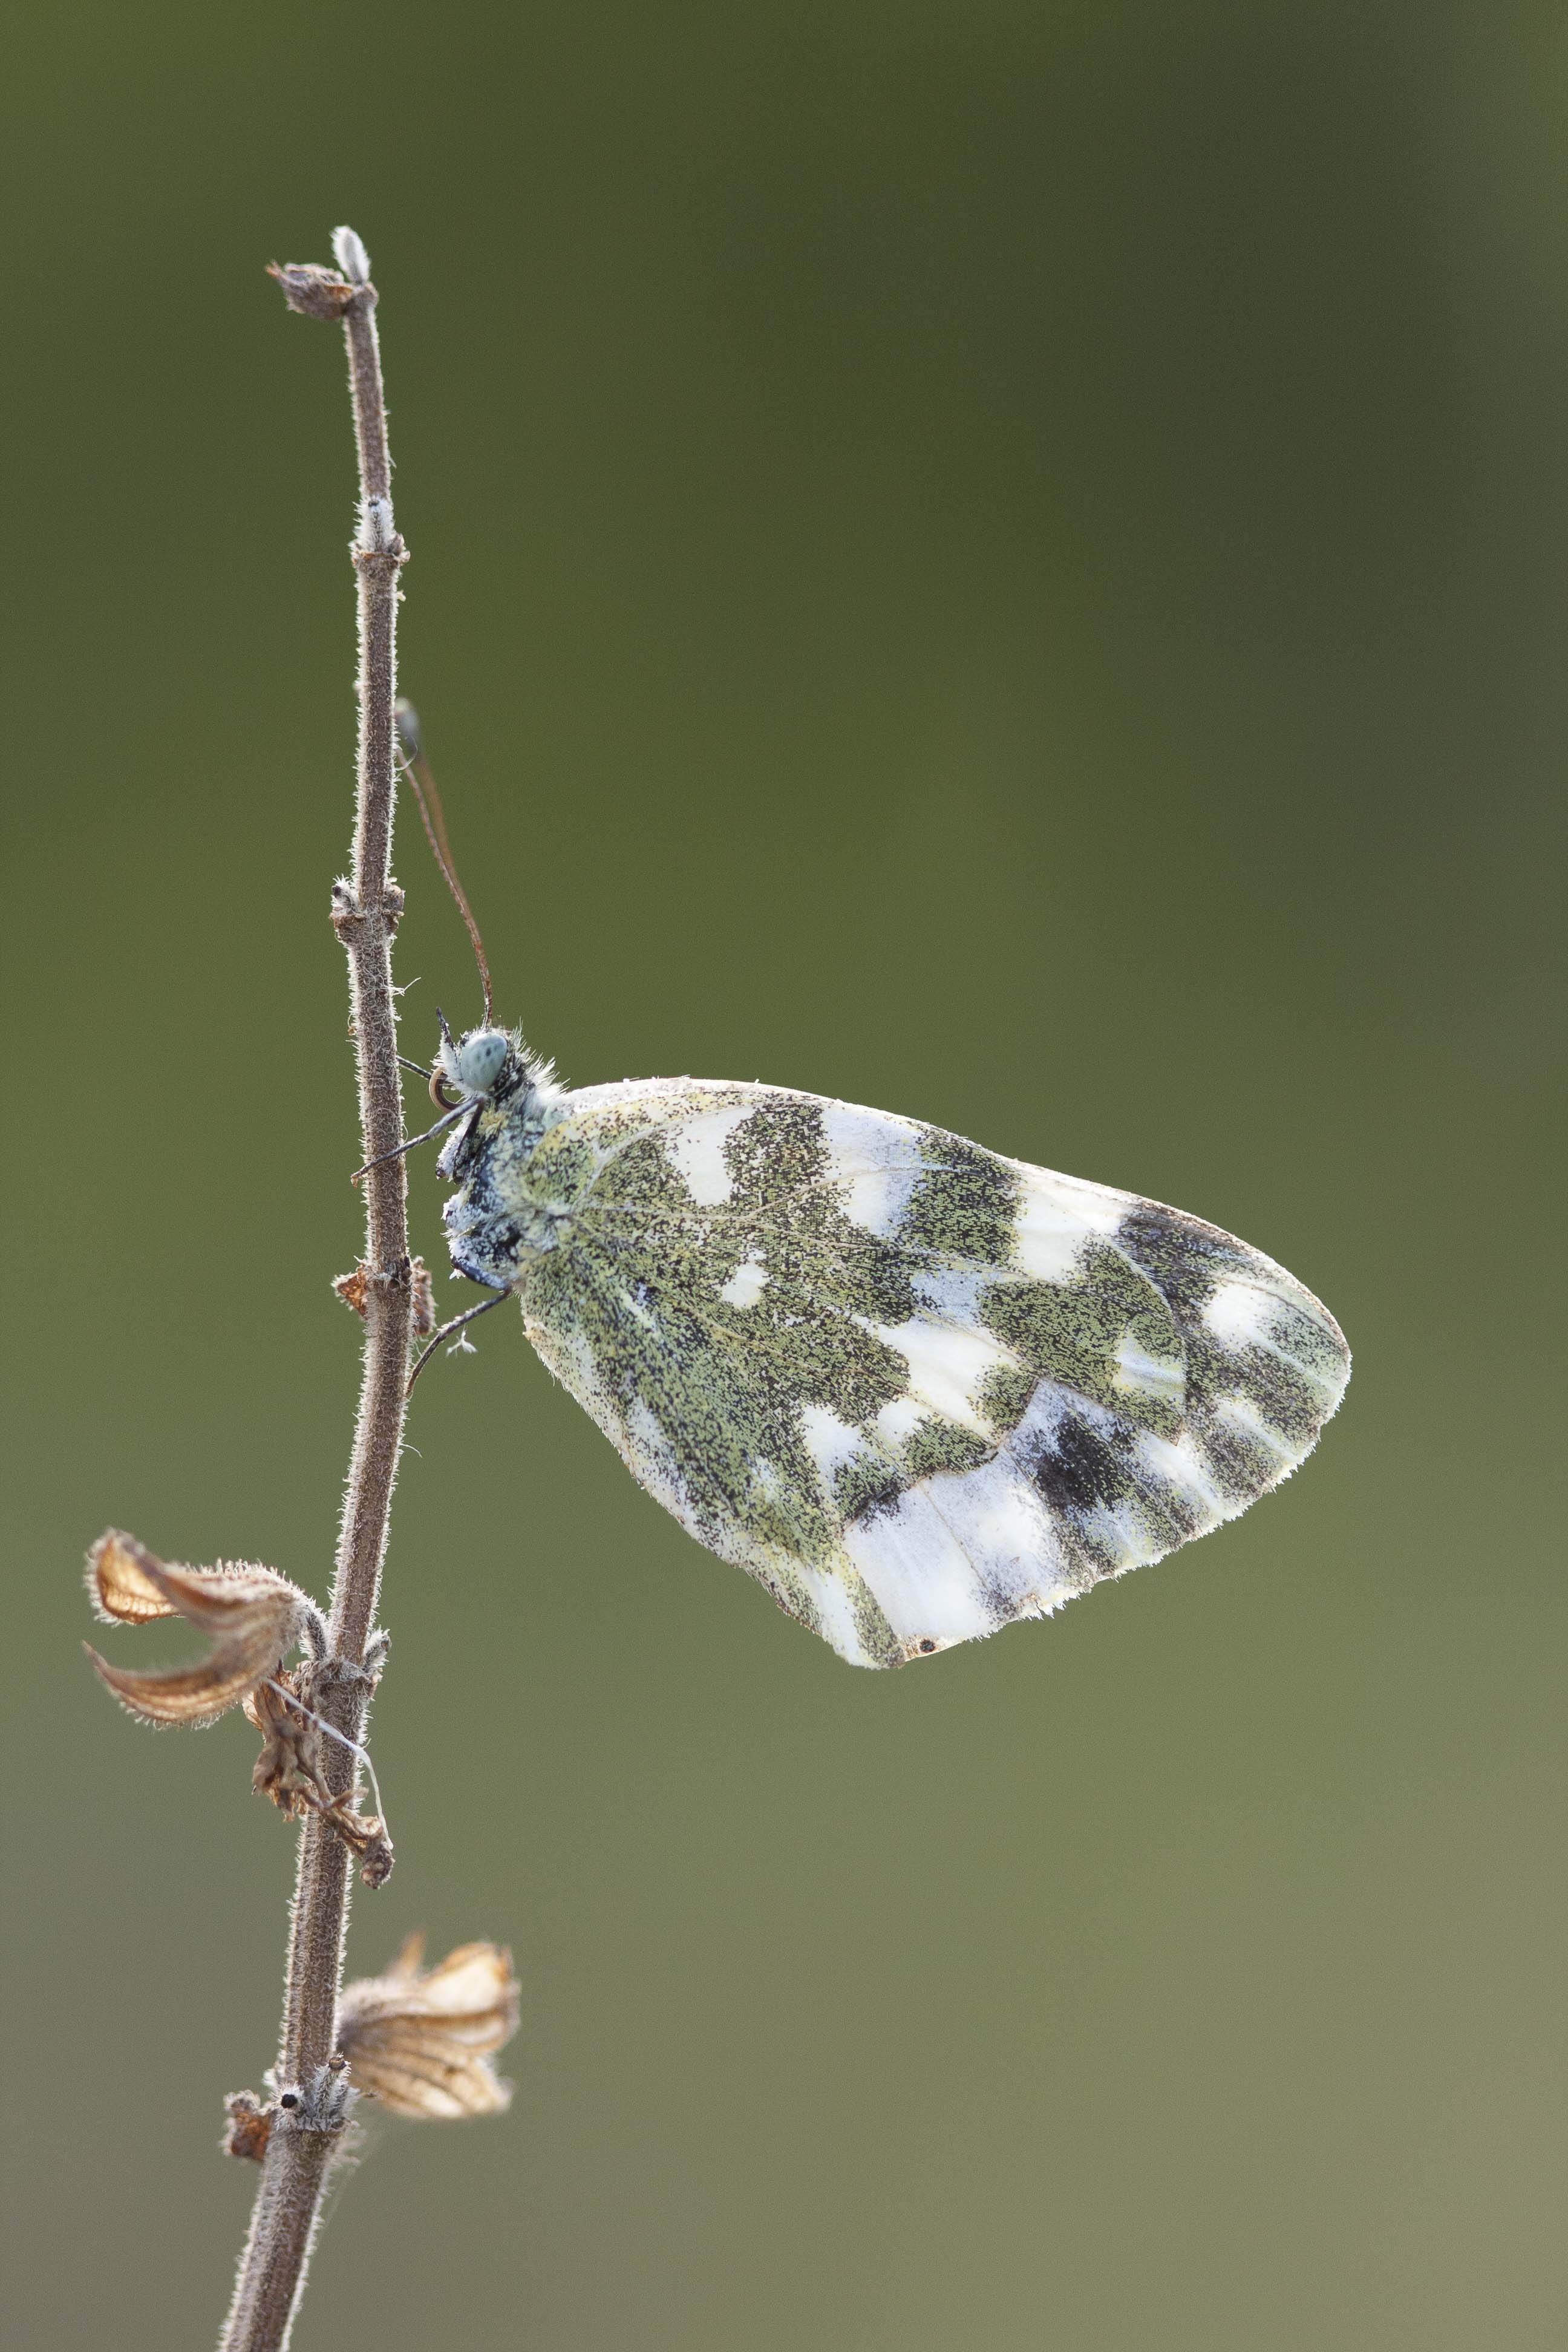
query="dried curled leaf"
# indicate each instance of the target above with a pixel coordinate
(422, 2042)
(253, 1615)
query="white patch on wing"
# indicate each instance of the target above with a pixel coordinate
(836, 1613)
(952, 1292)
(946, 1367)
(1162, 1376)
(1007, 1533)
(746, 1285)
(1242, 1414)
(1056, 1217)
(574, 1365)
(652, 1458)
(876, 1162)
(1238, 1315)
(697, 1147)
(1123, 1531)
(919, 1572)
(1177, 1463)
(900, 1420)
(829, 1441)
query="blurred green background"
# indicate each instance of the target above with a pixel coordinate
(1002, 562)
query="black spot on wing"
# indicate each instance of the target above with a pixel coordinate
(1079, 1466)
(1185, 1258)
(1083, 1468)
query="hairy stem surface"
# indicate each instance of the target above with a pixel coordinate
(312, 2098)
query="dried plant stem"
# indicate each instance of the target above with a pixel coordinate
(312, 2095)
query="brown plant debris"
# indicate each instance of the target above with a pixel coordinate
(354, 1289)
(315, 293)
(289, 1769)
(364, 1834)
(253, 1615)
(423, 2041)
(249, 2126)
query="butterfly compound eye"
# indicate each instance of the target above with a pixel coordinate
(481, 1060)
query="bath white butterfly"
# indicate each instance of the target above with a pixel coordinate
(916, 1389)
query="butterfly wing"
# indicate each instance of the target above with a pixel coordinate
(915, 1389)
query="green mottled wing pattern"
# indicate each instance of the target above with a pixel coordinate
(915, 1389)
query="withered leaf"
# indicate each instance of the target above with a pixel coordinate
(423, 2041)
(253, 1615)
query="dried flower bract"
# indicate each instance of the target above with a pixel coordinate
(253, 1615)
(316, 292)
(423, 2041)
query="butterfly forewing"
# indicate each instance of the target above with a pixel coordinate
(915, 1389)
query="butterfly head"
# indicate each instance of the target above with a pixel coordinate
(485, 1065)
(476, 1064)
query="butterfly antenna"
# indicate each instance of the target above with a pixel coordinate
(415, 768)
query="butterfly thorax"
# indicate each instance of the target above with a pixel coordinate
(516, 1197)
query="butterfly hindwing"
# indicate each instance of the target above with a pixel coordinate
(915, 1389)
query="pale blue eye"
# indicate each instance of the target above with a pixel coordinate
(481, 1060)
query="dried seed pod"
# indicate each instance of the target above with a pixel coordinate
(253, 1616)
(422, 2042)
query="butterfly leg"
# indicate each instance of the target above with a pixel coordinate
(447, 1329)
(410, 1141)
